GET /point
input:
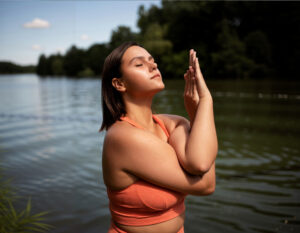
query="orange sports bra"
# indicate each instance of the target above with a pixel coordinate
(143, 203)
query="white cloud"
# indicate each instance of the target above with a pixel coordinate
(84, 37)
(37, 23)
(36, 47)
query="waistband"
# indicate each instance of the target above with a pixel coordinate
(141, 219)
(115, 229)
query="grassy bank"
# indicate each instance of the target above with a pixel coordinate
(14, 220)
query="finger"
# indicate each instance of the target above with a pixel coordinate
(187, 91)
(185, 86)
(191, 57)
(195, 89)
(194, 60)
(198, 65)
(199, 76)
(198, 70)
(187, 83)
(191, 75)
(195, 65)
(192, 84)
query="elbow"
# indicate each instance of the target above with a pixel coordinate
(199, 169)
(202, 164)
(208, 183)
(208, 189)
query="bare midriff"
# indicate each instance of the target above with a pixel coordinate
(171, 226)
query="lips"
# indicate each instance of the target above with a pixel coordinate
(155, 76)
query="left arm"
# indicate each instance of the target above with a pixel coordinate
(196, 146)
(195, 143)
(179, 130)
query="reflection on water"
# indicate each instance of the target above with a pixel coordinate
(50, 145)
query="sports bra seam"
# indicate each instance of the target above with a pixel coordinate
(156, 118)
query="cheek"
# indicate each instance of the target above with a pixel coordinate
(135, 78)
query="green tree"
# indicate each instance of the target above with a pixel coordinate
(175, 65)
(9, 68)
(153, 15)
(230, 61)
(74, 61)
(120, 35)
(154, 42)
(49, 62)
(258, 47)
(96, 55)
(57, 65)
(41, 68)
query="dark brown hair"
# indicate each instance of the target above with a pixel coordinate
(112, 103)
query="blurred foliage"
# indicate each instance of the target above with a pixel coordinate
(241, 40)
(120, 35)
(18, 221)
(231, 54)
(74, 61)
(11, 68)
(95, 56)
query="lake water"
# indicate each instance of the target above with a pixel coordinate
(50, 146)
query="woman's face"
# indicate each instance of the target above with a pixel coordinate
(140, 73)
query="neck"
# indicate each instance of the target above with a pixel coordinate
(139, 110)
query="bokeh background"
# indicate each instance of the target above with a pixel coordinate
(51, 57)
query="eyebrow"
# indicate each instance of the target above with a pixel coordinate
(140, 57)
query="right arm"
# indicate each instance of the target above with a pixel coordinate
(145, 156)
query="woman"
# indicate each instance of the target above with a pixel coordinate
(151, 162)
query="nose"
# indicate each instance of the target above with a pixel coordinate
(152, 66)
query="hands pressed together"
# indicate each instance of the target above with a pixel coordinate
(195, 87)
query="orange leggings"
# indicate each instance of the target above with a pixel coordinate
(114, 229)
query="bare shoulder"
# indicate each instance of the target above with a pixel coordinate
(122, 138)
(172, 121)
(120, 141)
(121, 133)
(124, 144)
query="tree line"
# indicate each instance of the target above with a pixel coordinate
(11, 68)
(237, 40)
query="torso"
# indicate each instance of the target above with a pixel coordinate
(118, 179)
(170, 226)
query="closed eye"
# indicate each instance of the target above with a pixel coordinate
(138, 64)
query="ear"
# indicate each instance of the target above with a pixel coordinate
(118, 84)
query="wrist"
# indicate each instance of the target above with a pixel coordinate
(207, 97)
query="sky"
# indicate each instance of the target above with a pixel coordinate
(29, 28)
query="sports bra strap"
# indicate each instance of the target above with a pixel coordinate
(131, 122)
(161, 124)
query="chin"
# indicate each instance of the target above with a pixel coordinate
(161, 88)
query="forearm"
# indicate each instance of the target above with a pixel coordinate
(202, 145)
(196, 144)
(199, 149)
